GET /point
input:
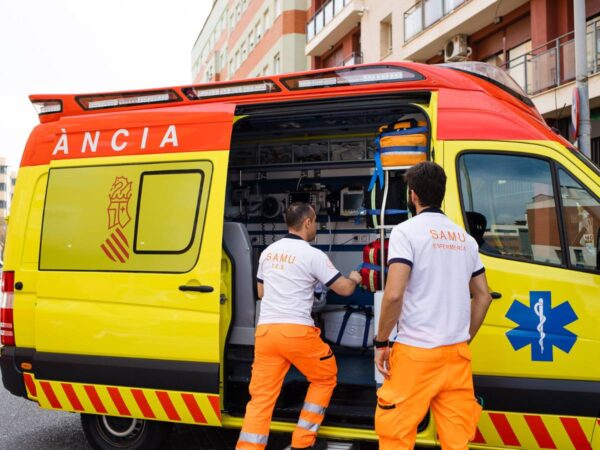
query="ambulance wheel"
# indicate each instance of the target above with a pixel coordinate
(110, 433)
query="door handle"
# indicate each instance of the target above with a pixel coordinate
(495, 295)
(205, 289)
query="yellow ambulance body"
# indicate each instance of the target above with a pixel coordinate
(128, 291)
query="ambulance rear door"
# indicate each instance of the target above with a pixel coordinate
(128, 291)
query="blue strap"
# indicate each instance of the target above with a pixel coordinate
(378, 172)
(367, 329)
(404, 148)
(376, 212)
(405, 132)
(366, 265)
(343, 326)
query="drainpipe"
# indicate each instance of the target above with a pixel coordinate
(585, 126)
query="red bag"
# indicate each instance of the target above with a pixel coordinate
(370, 269)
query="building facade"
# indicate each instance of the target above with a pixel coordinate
(532, 39)
(250, 38)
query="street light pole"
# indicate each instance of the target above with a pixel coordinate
(585, 126)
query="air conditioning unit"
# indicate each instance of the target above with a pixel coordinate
(456, 48)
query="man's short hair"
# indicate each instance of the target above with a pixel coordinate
(428, 180)
(297, 213)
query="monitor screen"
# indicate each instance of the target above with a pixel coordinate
(351, 202)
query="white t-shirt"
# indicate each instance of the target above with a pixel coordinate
(289, 270)
(436, 308)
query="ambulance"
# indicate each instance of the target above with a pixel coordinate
(138, 218)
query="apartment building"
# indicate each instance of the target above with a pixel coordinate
(5, 188)
(250, 38)
(532, 39)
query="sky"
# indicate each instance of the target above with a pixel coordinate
(85, 46)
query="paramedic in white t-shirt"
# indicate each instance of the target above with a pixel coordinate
(288, 272)
(434, 269)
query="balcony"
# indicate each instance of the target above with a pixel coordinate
(353, 59)
(425, 14)
(334, 20)
(553, 64)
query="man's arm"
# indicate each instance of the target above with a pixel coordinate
(480, 303)
(391, 308)
(260, 290)
(346, 286)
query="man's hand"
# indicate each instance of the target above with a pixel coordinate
(355, 276)
(382, 361)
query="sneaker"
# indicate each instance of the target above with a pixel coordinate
(319, 444)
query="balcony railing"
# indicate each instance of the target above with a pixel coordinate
(553, 64)
(425, 13)
(354, 58)
(323, 16)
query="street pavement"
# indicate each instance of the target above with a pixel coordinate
(23, 425)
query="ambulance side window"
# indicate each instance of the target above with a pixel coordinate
(168, 211)
(510, 206)
(581, 215)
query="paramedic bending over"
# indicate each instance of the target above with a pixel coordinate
(434, 267)
(287, 274)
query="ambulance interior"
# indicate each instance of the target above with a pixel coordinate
(322, 153)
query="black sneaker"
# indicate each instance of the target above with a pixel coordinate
(319, 444)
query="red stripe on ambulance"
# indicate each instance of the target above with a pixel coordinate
(115, 395)
(165, 401)
(576, 434)
(50, 395)
(114, 250)
(96, 402)
(72, 396)
(479, 439)
(216, 405)
(504, 429)
(141, 401)
(122, 236)
(30, 384)
(193, 408)
(540, 432)
(116, 241)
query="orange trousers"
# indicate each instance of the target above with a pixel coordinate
(277, 347)
(419, 378)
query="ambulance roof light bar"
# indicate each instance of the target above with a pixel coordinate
(352, 76)
(47, 106)
(203, 92)
(123, 99)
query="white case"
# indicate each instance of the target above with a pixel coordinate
(353, 333)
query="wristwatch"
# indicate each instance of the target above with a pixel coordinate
(380, 344)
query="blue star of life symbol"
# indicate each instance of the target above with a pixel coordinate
(541, 326)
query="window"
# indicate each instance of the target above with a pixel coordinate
(2, 187)
(385, 36)
(244, 52)
(277, 8)
(231, 68)
(258, 31)
(237, 60)
(2, 204)
(265, 71)
(510, 206)
(127, 218)
(266, 22)
(277, 64)
(238, 12)
(497, 60)
(3, 169)
(581, 215)
(232, 21)
(251, 40)
(167, 226)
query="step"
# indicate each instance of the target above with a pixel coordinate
(336, 445)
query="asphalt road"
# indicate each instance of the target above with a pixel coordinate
(23, 425)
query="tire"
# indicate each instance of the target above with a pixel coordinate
(112, 433)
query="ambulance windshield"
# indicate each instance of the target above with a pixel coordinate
(493, 74)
